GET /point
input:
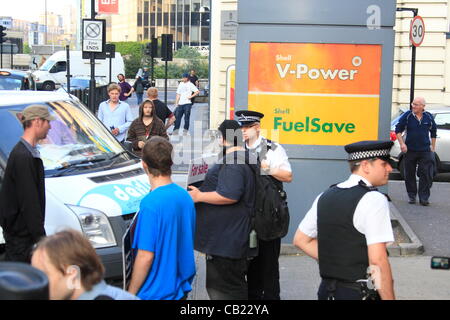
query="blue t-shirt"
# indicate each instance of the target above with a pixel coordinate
(166, 226)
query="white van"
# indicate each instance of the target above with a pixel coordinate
(92, 183)
(53, 72)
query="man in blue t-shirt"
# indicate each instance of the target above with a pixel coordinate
(419, 150)
(164, 238)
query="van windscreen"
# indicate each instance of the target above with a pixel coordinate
(76, 136)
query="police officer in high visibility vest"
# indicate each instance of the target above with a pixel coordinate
(348, 227)
(263, 274)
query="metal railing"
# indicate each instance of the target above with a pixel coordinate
(100, 95)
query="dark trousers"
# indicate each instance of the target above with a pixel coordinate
(225, 278)
(339, 292)
(425, 163)
(263, 272)
(179, 111)
(18, 249)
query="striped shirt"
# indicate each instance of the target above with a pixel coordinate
(138, 131)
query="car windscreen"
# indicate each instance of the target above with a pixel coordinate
(10, 82)
(75, 137)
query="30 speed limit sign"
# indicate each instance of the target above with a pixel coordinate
(417, 31)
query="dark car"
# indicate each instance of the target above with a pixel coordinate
(16, 80)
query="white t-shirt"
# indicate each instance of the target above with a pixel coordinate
(371, 216)
(276, 159)
(185, 90)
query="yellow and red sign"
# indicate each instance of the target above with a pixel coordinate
(231, 80)
(316, 94)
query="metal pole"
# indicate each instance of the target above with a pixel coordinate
(68, 67)
(165, 84)
(92, 62)
(12, 59)
(415, 11)
(110, 67)
(1, 55)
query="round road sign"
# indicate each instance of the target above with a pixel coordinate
(417, 31)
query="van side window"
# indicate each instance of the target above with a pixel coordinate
(60, 66)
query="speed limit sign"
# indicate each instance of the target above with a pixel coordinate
(417, 31)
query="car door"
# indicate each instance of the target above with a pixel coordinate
(443, 136)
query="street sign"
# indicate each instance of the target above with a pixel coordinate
(94, 35)
(417, 31)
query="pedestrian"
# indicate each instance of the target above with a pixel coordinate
(115, 114)
(185, 92)
(418, 150)
(22, 195)
(225, 205)
(137, 87)
(162, 111)
(125, 87)
(164, 267)
(73, 268)
(194, 80)
(348, 227)
(147, 125)
(263, 273)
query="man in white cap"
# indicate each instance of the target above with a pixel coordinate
(22, 197)
(348, 227)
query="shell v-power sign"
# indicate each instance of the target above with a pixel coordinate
(316, 94)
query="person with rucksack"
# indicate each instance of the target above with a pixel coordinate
(272, 214)
(225, 206)
(137, 87)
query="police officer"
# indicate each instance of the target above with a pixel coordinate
(348, 227)
(263, 274)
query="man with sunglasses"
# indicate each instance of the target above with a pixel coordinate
(418, 148)
(263, 274)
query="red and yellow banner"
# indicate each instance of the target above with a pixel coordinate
(316, 94)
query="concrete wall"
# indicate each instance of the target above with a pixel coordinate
(125, 23)
(222, 55)
(432, 70)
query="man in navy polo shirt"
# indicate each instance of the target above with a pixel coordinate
(419, 150)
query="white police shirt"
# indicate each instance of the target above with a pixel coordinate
(276, 159)
(371, 216)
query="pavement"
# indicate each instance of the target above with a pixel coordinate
(299, 274)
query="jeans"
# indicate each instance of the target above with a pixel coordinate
(179, 111)
(225, 278)
(424, 161)
(139, 98)
(263, 272)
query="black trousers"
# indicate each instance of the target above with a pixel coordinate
(18, 249)
(226, 278)
(425, 163)
(340, 292)
(263, 272)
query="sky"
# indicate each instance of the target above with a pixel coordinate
(31, 9)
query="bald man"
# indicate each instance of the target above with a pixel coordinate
(418, 147)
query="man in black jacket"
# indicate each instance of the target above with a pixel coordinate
(22, 197)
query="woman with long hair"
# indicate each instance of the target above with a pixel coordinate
(145, 126)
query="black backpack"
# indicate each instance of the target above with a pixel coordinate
(271, 215)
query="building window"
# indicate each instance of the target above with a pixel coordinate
(146, 19)
(139, 19)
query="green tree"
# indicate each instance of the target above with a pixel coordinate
(132, 53)
(187, 52)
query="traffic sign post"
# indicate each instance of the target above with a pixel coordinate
(417, 31)
(94, 35)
